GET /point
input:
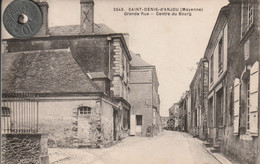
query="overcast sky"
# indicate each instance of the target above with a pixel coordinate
(174, 44)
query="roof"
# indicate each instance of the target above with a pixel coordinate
(75, 30)
(97, 75)
(52, 71)
(138, 61)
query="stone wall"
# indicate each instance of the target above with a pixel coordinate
(237, 148)
(107, 123)
(59, 119)
(141, 104)
(24, 148)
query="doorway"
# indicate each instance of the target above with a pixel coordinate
(115, 122)
(139, 123)
(219, 112)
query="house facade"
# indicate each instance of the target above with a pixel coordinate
(174, 117)
(223, 100)
(241, 139)
(144, 98)
(233, 99)
(183, 109)
(80, 74)
(197, 101)
(216, 55)
(164, 122)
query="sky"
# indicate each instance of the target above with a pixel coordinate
(174, 44)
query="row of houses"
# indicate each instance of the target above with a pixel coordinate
(87, 87)
(222, 104)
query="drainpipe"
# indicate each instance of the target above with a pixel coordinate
(203, 105)
(109, 56)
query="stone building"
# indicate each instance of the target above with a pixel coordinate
(183, 107)
(240, 136)
(144, 98)
(174, 115)
(198, 104)
(80, 74)
(233, 99)
(216, 54)
(164, 122)
(223, 101)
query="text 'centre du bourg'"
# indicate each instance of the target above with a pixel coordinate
(155, 11)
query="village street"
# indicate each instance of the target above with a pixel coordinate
(167, 148)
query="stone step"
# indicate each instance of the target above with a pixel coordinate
(213, 150)
(84, 145)
(207, 144)
(216, 146)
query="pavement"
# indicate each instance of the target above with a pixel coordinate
(169, 147)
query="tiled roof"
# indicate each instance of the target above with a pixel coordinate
(138, 61)
(75, 30)
(52, 71)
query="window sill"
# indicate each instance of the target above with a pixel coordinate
(246, 137)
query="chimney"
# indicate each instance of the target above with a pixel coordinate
(87, 17)
(44, 9)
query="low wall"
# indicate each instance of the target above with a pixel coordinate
(243, 150)
(24, 148)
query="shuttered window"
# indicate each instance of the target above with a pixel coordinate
(248, 104)
(253, 106)
(250, 12)
(236, 105)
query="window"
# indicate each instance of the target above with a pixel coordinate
(247, 15)
(248, 104)
(5, 112)
(84, 110)
(211, 68)
(250, 12)
(220, 54)
(139, 120)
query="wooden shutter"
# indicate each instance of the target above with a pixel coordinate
(254, 78)
(236, 105)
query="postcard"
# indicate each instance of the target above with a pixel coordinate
(130, 81)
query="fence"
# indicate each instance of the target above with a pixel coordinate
(19, 113)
